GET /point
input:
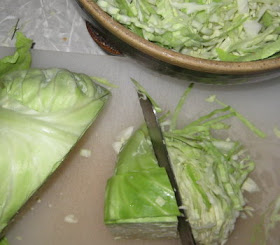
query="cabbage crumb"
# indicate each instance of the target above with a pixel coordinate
(71, 218)
(85, 153)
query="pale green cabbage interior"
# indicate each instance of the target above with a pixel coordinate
(44, 112)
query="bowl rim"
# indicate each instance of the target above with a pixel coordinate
(172, 57)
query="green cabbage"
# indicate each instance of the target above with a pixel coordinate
(211, 172)
(21, 59)
(273, 214)
(239, 30)
(43, 114)
(269, 224)
(4, 241)
(140, 202)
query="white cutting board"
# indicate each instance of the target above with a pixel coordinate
(78, 186)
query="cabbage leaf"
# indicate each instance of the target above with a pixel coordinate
(21, 59)
(139, 196)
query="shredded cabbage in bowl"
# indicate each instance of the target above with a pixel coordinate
(239, 30)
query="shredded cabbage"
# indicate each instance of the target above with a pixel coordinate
(276, 131)
(269, 224)
(273, 214)
(239, 30)
(212, 175)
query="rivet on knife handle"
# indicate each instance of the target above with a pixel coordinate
(161, 153)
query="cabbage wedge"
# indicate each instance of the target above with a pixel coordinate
(140, 202)
(212, 174)
(43, 114)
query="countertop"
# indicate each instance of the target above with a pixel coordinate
(55, 25)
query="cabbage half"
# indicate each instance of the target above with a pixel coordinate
(228, 30)
(211, 172)
(43, 114)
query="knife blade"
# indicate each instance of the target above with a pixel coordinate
(161, 153)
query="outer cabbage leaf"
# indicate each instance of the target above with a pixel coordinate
(139, 195)
(146, 194)
(21, 59)
(144, 159)
(43, 114)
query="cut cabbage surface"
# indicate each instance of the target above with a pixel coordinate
(44, 112)
(211, 172)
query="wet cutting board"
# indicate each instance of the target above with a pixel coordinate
(77, 187)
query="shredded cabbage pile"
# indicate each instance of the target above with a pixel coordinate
(212, 173)
(227, 30)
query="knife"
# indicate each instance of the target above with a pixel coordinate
(161, 153)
